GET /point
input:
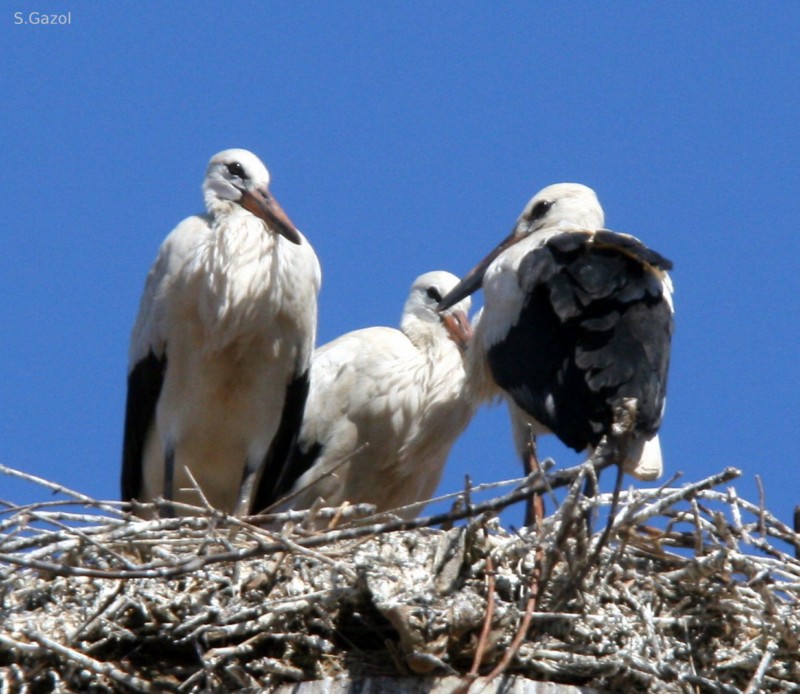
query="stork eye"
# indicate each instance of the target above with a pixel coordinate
(433, 293)
(540, 209)
(236, 169)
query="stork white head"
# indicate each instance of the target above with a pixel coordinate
(420, 307)
(556, 208)
(563, 205)
(236, 176)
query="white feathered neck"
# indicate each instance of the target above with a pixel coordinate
(237, 266)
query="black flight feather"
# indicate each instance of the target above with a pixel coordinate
(284, 462)
(144, 387)
(595, 328)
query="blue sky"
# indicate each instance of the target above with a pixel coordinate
(403, 138)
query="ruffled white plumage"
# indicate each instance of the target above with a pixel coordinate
(385, 407)
(230, 307)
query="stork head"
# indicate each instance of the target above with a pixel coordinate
(563, 206)
(236, 176)
(554, 209)
(420, 309)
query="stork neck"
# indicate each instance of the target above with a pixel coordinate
(238, 267)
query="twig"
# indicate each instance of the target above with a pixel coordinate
(513, 648)
(100, 668)
(658, 507)
(329, 473)
(60, 489)
(487, 622)
(274, 605)
(186, 565)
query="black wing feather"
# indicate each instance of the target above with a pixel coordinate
(285, 462)
(595, 328)
(144, 387)
(632, 246)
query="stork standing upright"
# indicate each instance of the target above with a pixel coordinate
(577, 320)
(385, 407)
(220, 351)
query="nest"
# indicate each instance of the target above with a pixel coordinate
(684, 589)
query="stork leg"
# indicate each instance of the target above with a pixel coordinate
(534, 505)
(614, 447)
(169, 482)
(246, 489)
(590, 491)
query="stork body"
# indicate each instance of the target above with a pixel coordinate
(221, 348)
(385, 407)
(577, 319)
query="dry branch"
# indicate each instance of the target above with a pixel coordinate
(693, 591)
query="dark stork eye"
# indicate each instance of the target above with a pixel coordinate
(434, 293)
(236, 169)
(539, 210)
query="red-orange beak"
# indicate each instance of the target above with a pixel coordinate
(458, 328)
(264, 206)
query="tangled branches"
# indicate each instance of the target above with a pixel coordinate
(691, 592)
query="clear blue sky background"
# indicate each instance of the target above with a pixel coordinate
(402, 138)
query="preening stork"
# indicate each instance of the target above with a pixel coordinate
(576, 320)
(220, 351)
(385, 407)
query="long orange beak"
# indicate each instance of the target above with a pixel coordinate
(264, 206)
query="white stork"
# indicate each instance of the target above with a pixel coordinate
(576, 319)
(220, 351)
(385, 407)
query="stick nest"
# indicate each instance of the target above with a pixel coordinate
(691, 589)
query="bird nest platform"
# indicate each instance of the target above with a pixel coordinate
(686, 589)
